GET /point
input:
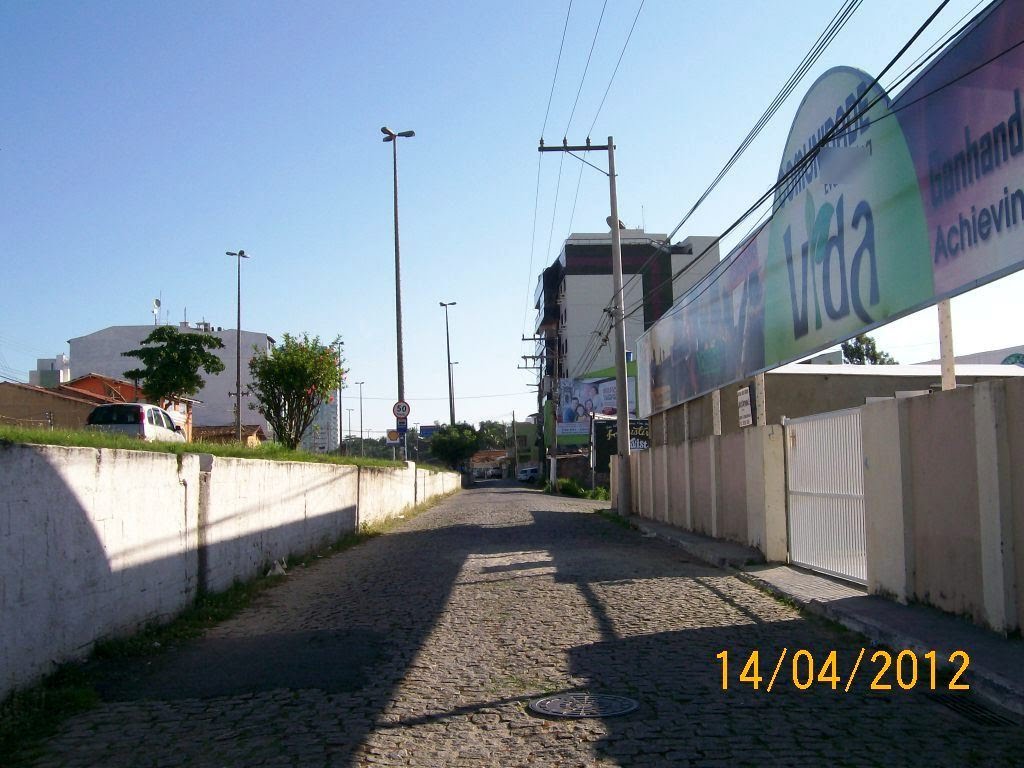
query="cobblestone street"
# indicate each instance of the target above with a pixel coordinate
(423, 647)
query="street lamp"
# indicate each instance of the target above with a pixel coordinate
(239, 254)
(448, 344)
(393, 137)
(360, 383)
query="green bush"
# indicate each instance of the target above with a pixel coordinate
(567, 486)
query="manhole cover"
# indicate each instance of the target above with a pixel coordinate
(583, 705)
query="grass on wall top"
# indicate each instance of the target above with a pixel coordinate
(269, 451)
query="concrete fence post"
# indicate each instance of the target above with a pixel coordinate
(888, 503)
(995, 506)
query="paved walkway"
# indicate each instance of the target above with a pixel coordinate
(996, 663)
(424, 646)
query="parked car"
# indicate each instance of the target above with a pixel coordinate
(141, 420)
(494, 473)
(528, 474)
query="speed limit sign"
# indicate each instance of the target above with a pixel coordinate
(401, 409)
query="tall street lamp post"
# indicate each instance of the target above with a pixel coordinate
(239, 254)
(448, 345)
(360, 383)
(393, 137)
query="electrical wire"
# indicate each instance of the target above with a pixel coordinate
(831, 31)
(558, 63)
(536, 197)
(585, 69)
(825, 38)
(615, 71)
(533, 243)
(891, 113)
(841, 125)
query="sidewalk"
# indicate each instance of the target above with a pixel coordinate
(996, 670)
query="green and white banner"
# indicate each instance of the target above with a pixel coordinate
(913, 201)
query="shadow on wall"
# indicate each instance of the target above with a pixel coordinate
(121, 548)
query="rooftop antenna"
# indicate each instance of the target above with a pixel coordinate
(156, 311)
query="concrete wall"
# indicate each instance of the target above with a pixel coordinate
(946, 526)
(96, 543)
(732, 465)
(1015, 445)
(804, 390)
(257, 511)
(944, 498)
(703, 488)
(943, 490)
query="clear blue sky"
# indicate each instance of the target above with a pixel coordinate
(139, 141)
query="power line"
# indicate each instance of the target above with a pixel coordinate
(536, 198)
(416, 398)
(825, 39)
(585, 69)
(558, 63)
(835, 25)
(845, 130)
(615, 71)
(840, 126)
(831, 31)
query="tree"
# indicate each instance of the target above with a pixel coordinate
(292, 381)
(861, 350)
(454, 444)
(492, 435)
(171, 363)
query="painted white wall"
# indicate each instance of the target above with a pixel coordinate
(586, 297)
(96, 543)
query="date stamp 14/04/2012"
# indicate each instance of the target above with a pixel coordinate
(886, 670)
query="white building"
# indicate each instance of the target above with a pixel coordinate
(101, 352)
(323, 435)
(50, 371)
(573, 294)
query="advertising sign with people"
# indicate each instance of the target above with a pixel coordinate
(581, 399)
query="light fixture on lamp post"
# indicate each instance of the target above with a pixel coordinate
(239, 254)
(393, 137)
(448, 346)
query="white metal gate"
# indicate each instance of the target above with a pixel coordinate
(825, 490)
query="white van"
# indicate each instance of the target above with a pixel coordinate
(141, 420)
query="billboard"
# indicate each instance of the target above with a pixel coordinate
(606, 440)
(593, 394)
(910, 202)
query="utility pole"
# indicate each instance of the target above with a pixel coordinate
(554, 421)
(360, 383)
(448, 346)
(623, 492)
(392, 136)
(515, 446)
(239, 254)
(350, 420)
